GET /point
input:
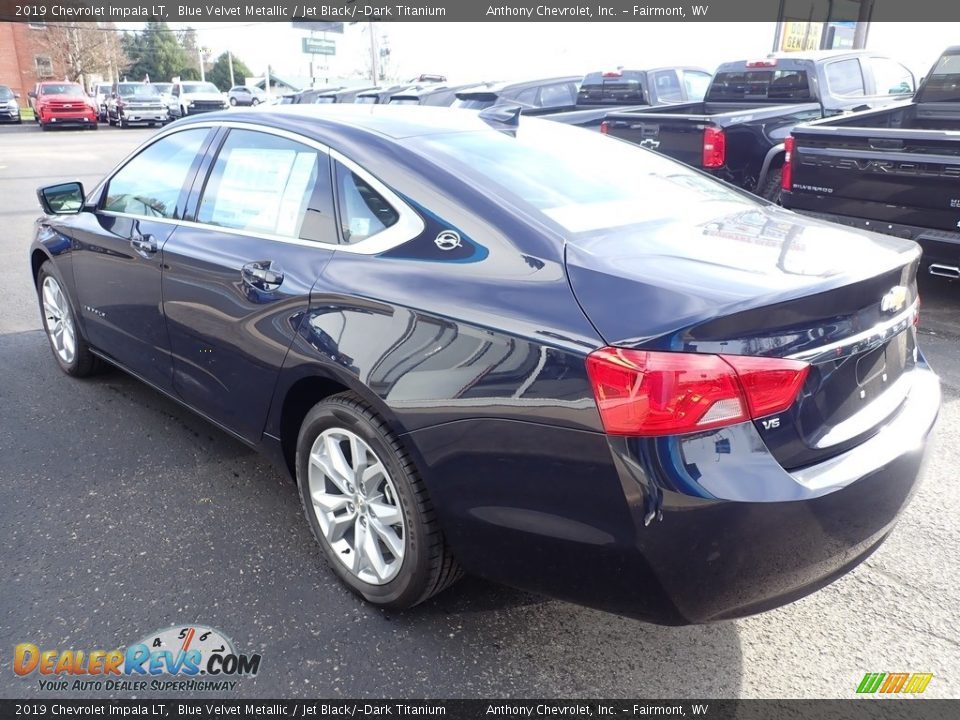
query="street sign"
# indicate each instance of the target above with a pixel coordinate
(319, 46)
(333, 27)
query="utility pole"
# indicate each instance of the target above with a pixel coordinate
(374, 58)
(203, 75)
(230, 64)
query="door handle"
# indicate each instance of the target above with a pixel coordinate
(144, 243)
(261, 275)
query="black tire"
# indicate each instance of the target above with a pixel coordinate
(772, 188)
(84, 362)
(255, 102)
(428, 566)
(233, 101)
(44, 126)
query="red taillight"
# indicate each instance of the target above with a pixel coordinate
(604, 128)
(786, 179)
(714, 147)
(663, 393)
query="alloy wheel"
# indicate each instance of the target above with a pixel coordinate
(356, 505)
(59, 320)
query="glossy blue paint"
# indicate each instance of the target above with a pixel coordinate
(475, 357)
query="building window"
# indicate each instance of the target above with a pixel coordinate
(44, 66)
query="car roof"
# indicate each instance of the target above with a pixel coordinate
(499, 86)
(384, 120)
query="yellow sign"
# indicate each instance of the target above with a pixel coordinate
(801, 36)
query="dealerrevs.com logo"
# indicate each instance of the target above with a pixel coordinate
(185, 658)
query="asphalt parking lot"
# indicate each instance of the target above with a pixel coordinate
(122, 513)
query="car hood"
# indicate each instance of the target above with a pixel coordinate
(665, 277)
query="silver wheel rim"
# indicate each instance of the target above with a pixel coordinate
(59, 320)
(356, 505)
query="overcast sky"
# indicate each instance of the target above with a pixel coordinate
(478, 51)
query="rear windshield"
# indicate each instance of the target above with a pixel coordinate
(625, 88)
(760, 85)
(404, 101)
(61, 89)
(943, 85)
(605, 184)
(324, 99)
(367, 99)
(478, 101)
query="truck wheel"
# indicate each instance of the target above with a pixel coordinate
(368, 507)
(772, 186)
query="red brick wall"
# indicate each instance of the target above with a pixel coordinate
(19, 46)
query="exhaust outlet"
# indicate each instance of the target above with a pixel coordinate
(947, 271)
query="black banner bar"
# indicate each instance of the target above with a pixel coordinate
(68, 11)
(876, 709)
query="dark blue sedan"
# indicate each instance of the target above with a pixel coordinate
(526, 351)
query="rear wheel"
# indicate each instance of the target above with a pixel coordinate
(69, 348)
(233, 101)
(368, 507)
(772, 189)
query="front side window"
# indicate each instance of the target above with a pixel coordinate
(558, 95)
(262, 183)
(696, 84)
(363, 211)
(150, 184)
(890, 77)
(844, 78)
(668, 86)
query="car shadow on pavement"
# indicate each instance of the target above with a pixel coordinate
(130, 513)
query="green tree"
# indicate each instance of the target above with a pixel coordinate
(219, 74)
(155, 52)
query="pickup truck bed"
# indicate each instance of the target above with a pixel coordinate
(894, 170)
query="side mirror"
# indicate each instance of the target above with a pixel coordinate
(62, 199)
(31, 94)
(17, 95)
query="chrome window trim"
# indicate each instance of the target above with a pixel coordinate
(866, 340)
(408, 226)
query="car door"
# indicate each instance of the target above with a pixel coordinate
(237, 280)
(118, 252)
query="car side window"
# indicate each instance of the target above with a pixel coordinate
(558, 95)
(263, 183)
(696, 84)
(150, 184)
(845, 78)
(363, 211)
(527, 97)
(890, 77)
(668, 86)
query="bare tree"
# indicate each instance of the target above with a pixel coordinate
(85, 49)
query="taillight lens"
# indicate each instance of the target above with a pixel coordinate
(662, 393)
(604, 127)
(786, 179)
(714, 147)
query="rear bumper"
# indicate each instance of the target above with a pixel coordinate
(939, 246)
(631, 526)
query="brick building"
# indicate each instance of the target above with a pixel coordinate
(23, 59)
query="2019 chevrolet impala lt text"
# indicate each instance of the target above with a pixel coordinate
(545, 356)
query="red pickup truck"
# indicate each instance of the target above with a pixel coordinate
(63, 103)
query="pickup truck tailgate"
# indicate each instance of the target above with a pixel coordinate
(678, 136)
(911, 178)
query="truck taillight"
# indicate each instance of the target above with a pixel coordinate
(786, 178)
(714, 147)
(647, 393)
(604, 128)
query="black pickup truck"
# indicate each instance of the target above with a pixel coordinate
(895, 170)
(601, 92)
(737, 133)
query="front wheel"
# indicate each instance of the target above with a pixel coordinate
(368, 507)
(69, 348)
(255, 102)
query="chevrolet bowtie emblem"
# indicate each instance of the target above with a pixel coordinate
(894, 300)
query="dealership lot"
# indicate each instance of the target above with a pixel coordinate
(124, 513)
